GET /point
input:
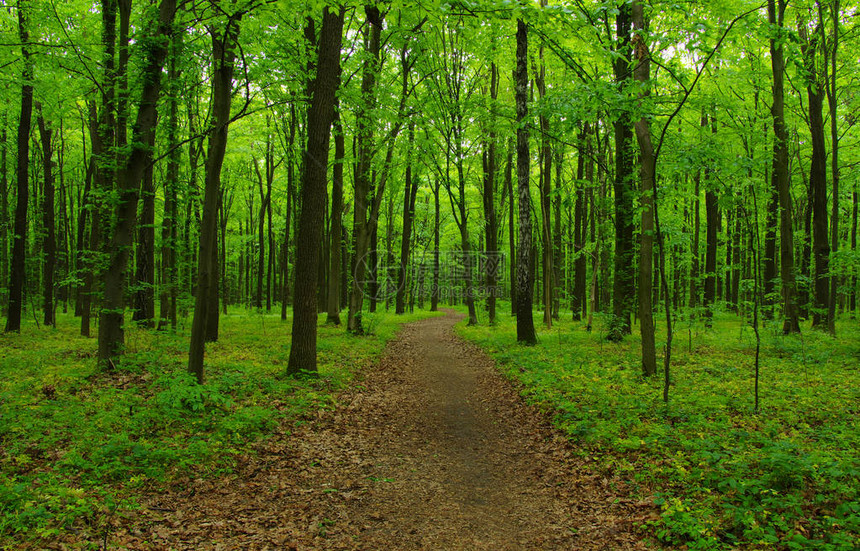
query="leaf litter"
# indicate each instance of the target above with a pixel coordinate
(432, 449)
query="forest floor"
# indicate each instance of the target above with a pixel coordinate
(430, 449)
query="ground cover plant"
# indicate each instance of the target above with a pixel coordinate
(77, 443)
(724, 476)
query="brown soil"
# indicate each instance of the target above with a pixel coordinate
(433, 449)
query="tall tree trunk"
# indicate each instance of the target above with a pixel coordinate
(144, 296)
(855, 201)
(512, 236)
(265, 189)
(642, 74)
(769, 271)
(17, 273)
(712, 230)
(364, 123)
(410, 193)
(223, 64)
(623, 289)
(544, 192)
(781, 181)
(525, 282)
(336, 223)
(285, 299)
(579, 263)
(49, 246)
(303, 350)
(491, 232)
(830, 51)
(4, 216)
(111, 330)
(169, 235)
(694, 252)
(817, 181)
(434, 290)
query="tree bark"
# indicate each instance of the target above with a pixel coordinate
(512, 236)
(434, 290)
(4, 216)
(830, 51)
(410, 193)
(817, 181)
(223, 64)
(49, 246)
(781, 180)
(144, 296)
(623, 289)
(169, 235)
(360, 227)
(17, 273)
(335, 260)
(642, 74)
(303, 351)
(545, 202)
(579, 227)
(111, 330)
(525, 282)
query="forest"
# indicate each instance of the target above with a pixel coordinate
(221, 219)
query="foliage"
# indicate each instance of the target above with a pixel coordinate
(78, 444)
(723, 476)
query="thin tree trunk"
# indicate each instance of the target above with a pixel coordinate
(285, 299)
(512, 236)
(544, 191)
(434, 290)
(410, 193)
(320, 115)
(144, 296)
(49, 245)
(579, 263)
(4, 216)
(694, 252)
(169, 234)
(334, 304)
(362, 181)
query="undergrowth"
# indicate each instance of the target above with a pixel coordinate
(724, 476)
(78, 445)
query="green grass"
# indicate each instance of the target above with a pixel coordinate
(724, 476)
(77, 445)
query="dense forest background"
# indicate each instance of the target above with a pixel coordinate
(623, 165)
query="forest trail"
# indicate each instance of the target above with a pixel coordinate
(432, 449)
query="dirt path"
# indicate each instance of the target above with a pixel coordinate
(433, 450)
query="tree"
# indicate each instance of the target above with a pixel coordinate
(642, 74)
(224, 44)
(303, 350)
(335, 259)
(410, 193)
(111, 331)
(50, 241)
(22, 175)
(781, 181)
(525, 287)
(623, 286)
